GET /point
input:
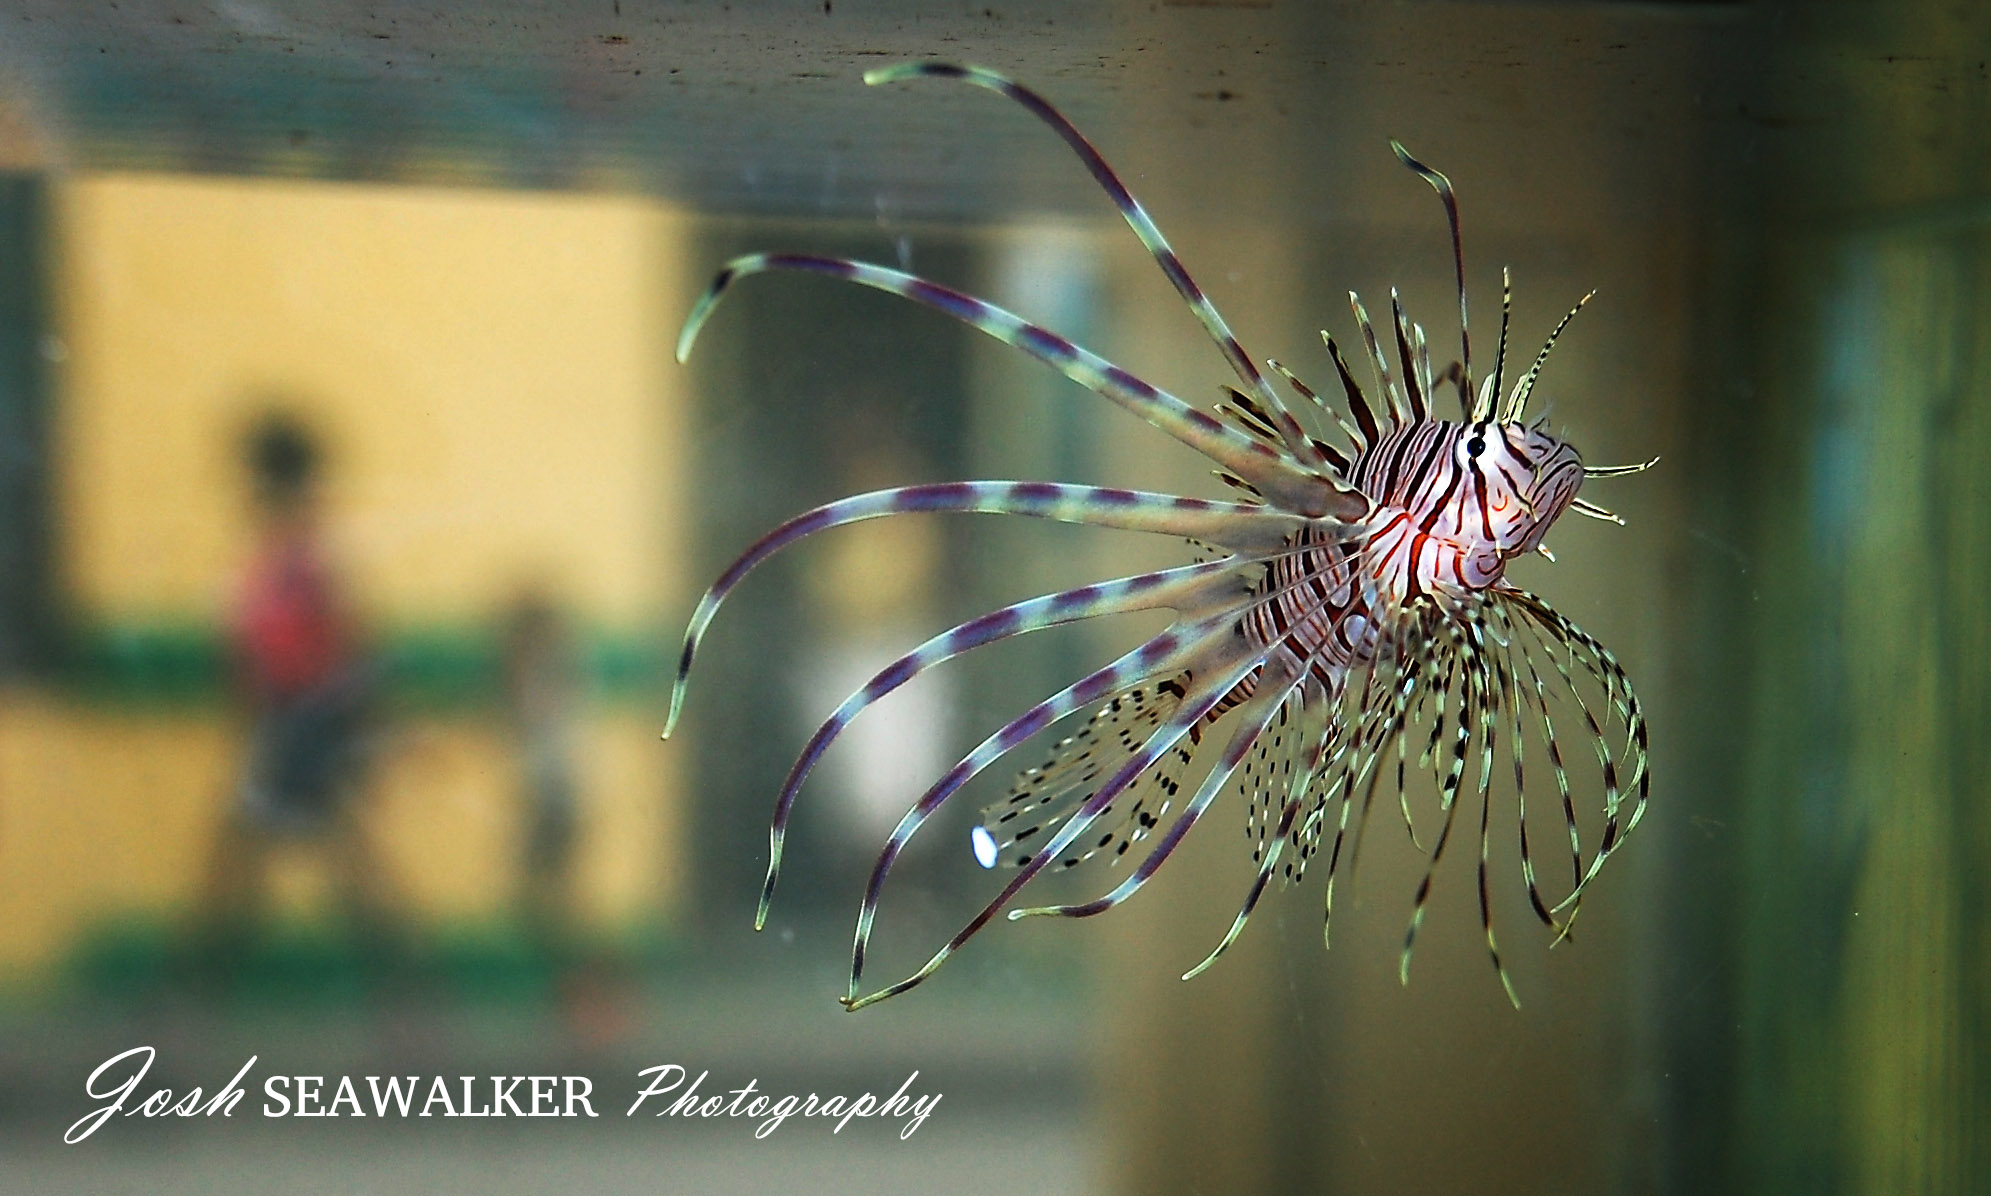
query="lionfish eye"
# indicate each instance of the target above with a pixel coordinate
(1475, 446)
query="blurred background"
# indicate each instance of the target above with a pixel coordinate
(353, 505)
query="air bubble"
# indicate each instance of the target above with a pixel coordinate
(985, 846)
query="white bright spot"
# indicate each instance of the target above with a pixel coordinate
(985, 846)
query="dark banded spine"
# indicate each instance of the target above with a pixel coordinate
(1236, 526)
(1274, 474)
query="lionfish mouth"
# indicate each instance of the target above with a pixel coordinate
(1280, 638)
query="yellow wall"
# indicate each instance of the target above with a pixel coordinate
(107, 813)
(491, 373)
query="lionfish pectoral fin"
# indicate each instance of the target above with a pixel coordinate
(1191, 589)
(1239, 527)
(1165, 654)
(1275, 681)
(1303, 489)
(1299, 782)
(1040, 799)
(1160, 656)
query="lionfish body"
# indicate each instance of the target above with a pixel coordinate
(1453, 503)
(1353, 607)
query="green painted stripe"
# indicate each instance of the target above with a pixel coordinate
(441, 666)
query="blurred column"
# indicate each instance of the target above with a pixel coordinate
(1865, 925)
(27, 615)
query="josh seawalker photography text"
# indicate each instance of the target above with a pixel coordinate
(665, 1090)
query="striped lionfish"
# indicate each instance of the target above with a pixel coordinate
(1354, 602)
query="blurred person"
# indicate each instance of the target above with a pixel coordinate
(541, 684)
(542, 696)
(306, 689)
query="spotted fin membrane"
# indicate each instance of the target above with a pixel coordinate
(1042, 799)
(1267, 775)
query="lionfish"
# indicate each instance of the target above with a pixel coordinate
(1352, 605)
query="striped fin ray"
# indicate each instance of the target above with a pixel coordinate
(1393, 395)
(1489, 391)
(1536, 697)
(1517, 403)
(1471, 668)
(1249, 417)
(1266, 777)
(1315, 735)
(1193, 591)
(1206, 651)
(1355, 768)
(1215, 669)
(1358, 404)
(1407, 665)
(1276, 682)
(1443, 186)
(1043, 797)
(1471, 715)
(1340, 460)
(1416, 383)
(1563, 641)
(1509, 667)
(1137, 218)
(1444, 671)
(1184, 588)
(1421, 352)
(1494, 677)
(1244, 411)
(1281, 678)
(1327, 781)
(1265, 467)
(1573, 650)
(1235, 526)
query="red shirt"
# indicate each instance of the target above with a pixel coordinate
(291, 634)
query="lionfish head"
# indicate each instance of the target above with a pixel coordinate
(1530, 478)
